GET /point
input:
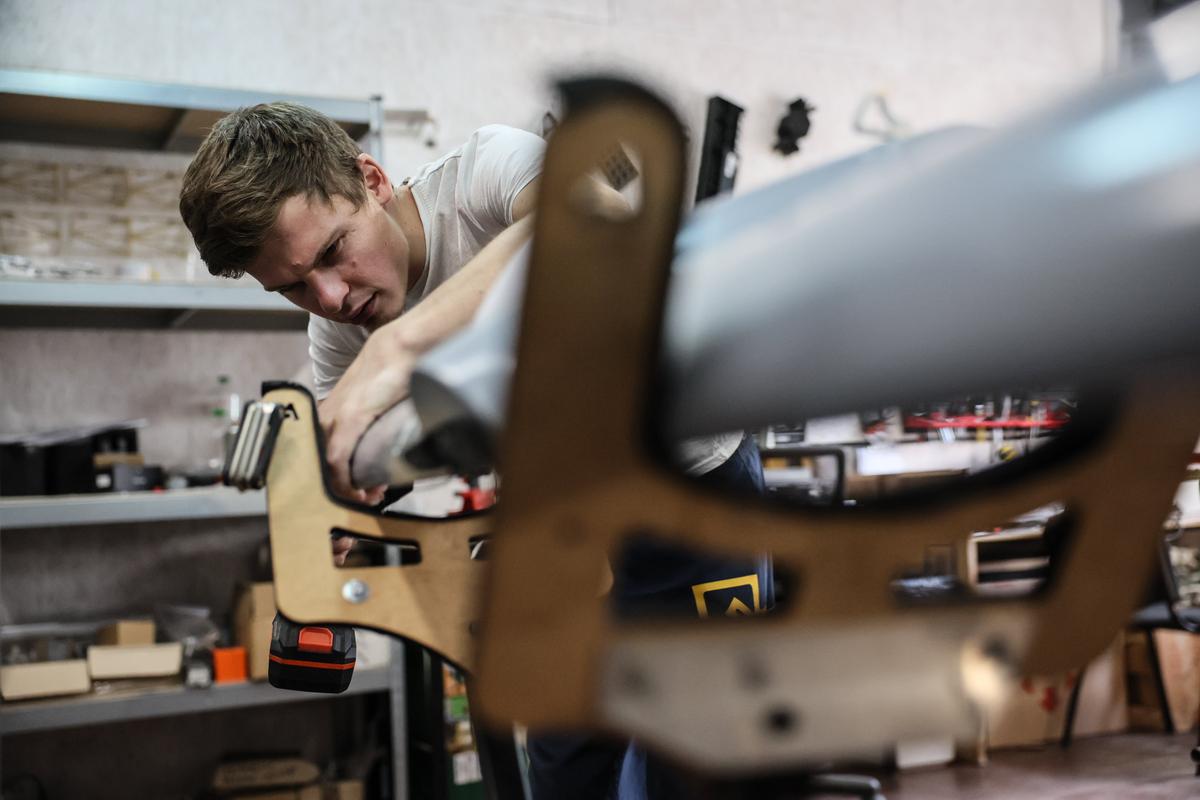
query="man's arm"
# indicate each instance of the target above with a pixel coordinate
(379, 376)
(451, 306)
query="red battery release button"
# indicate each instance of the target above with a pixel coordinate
(316, 640)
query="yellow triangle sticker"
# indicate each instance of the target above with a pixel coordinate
(738, 609)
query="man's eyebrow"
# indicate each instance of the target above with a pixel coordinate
(329, 240)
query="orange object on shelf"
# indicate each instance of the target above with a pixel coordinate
(476, 499)
(229, 664)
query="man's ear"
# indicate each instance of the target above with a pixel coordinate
(377, 181)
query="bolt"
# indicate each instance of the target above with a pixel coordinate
(355, 591)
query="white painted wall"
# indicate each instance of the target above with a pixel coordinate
(468, 62)
(471, 62)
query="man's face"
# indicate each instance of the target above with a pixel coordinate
(345, 264)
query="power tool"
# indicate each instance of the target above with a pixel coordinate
(304, 657)
(311, 658)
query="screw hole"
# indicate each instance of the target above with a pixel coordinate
(754, 674)
(780, 721)
(634, 682)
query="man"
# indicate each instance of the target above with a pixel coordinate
(281, 193)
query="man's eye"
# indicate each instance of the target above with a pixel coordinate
(333, 250)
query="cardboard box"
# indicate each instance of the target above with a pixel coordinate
(303, 793)
(862, 487)
(264, 773)
(1035, 711)
(919, 753)
(107, 662)
(254, 611)
(374, 649)
(46, 679)
(1179, 659)
(1179, 655)
(104, 460)
(343, 790)
(127, 631)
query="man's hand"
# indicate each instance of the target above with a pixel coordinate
(376, 381)
(341, 548)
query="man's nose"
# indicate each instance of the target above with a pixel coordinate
(330, 291)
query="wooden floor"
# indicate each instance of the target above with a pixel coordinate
(1139, 766)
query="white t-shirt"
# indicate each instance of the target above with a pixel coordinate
(465, 200)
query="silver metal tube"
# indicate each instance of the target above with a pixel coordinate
(1063, 249)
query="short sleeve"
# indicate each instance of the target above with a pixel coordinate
(330, 352)
(505, 161)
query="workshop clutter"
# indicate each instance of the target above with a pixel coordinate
(283, 778)
(342, 790)
(80, 460)
(49, 666)
(1179, 668)
(254, 609)
(253, 613)
(110, 662)
(181, 644)
(126, 649)
(1035, 711)
(127, 631)
(1119, 693)
(78, 215)
(106, 457)
(48, 679)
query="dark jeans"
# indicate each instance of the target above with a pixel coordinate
(653, 579)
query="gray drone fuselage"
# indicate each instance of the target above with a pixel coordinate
(1061, 251)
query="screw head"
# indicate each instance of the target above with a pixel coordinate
(355, 591)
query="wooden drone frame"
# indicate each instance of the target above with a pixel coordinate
(580, 478)
(431, 602)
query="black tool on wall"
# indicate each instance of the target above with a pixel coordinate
(793, 127)
(718, 153)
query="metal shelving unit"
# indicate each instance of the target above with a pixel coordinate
(95, 709)
(63, 108)
(116, 294)
(100, 509)
(92, 111)
(65, 303)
